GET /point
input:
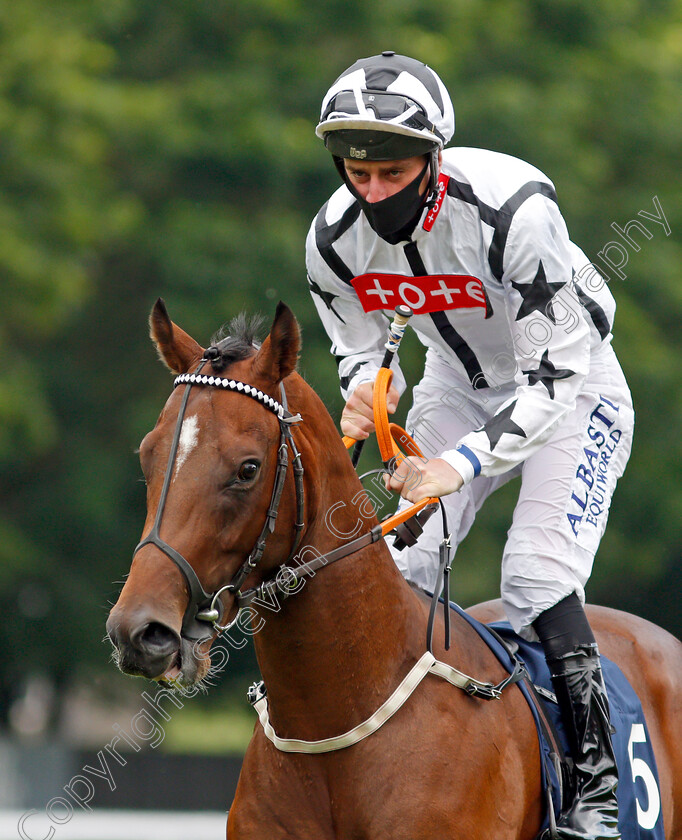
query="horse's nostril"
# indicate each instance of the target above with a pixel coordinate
(157, 639)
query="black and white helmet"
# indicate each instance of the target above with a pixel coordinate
(387, 107)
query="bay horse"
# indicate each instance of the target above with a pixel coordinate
(446, 764)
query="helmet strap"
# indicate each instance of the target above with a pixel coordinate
(432, 195)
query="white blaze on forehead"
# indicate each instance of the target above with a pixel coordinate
(189, 435)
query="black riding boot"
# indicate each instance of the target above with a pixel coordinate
(579, 685)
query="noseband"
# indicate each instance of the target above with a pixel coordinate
(205, 610)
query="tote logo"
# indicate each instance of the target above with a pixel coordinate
(427, 293)
(435, 209)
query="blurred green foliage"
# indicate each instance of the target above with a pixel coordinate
(167, 149)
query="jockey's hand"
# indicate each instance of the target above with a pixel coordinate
(357, 418)
(416, 479)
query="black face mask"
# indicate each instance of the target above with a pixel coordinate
(395, 217)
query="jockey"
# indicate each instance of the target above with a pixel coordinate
(520, 378)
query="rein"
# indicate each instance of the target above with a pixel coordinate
(412, 525)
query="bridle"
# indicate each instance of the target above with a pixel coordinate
(205, 610)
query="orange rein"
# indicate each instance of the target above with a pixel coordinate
(388, 436)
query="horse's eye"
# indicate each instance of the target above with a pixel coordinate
(248, 471)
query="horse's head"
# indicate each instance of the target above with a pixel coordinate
(211, 466)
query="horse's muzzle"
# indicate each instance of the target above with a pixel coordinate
(146, 647)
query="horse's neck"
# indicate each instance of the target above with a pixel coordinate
(337, 645)
(335, 650)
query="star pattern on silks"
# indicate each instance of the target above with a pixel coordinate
(502, 424)
(547, 374)
(327, 297)
(537, 295)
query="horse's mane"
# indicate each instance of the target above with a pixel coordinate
(236, 340)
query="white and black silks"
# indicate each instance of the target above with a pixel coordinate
(496, 234)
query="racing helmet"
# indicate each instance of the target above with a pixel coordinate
(387, 107)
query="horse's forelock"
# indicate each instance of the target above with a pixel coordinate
(237, 340)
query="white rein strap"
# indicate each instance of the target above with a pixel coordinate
(427, 664)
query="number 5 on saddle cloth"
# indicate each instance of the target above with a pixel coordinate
(639, 799)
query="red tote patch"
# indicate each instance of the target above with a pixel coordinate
(435, 210)
(427, 293)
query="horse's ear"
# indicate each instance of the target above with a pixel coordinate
(177, 350)
(278, 354)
